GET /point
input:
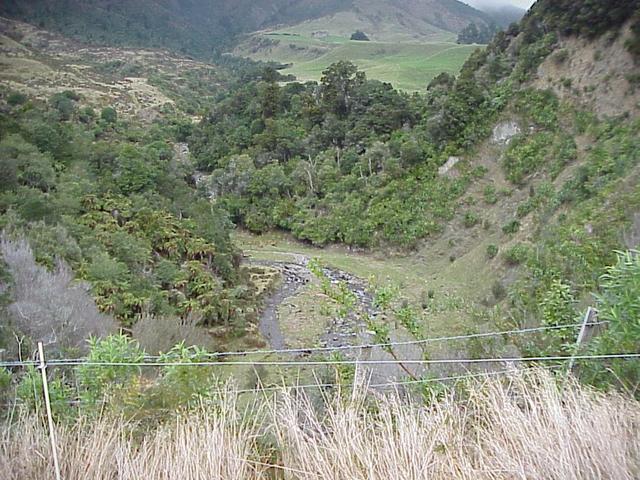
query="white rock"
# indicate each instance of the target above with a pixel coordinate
(504, 132)
(446, 168)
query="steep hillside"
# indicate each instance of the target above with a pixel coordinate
(407, 42)
(136, 83)
(411, 241)
(505, 15)
(196, 27)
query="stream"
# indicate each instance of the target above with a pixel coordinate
(340, 332)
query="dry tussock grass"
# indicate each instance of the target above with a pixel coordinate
(517, 428)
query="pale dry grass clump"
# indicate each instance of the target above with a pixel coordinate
(203, 446)
(523, 427)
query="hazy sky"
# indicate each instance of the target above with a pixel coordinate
(482, 3)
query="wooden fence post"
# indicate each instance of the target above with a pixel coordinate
(581, 335)
(47, 403)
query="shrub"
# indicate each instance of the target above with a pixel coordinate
(526, 155)
(618, 304)
(490, 194)
(558, 304)
(517, 254)
(471, 219)
(360, 36)
(498, 290)
(100, 382)
(16, 98)
(109, 115)
(492, 251)
(512, 227)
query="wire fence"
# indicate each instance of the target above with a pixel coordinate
(314, 363)
(363, 367)
(157, 360)
(466, 363)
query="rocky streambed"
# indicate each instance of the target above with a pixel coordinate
(339, 332)
(295, 275)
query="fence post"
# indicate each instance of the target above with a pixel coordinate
(47, 403)
(583, 330)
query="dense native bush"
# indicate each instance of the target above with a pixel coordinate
(104, 202)
(349, 160)
(617, 303)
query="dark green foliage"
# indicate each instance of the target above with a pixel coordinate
(109, 115)
(498, 290)
(120, 214)
(473, 33)
(601, 199)
(471, 219)
(492, 251)
(16, 98)
(201, 28)
(511, 227)
(360, 36)
(588, 17)
(338, 162)
(617, 302)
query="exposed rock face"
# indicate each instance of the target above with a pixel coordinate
(504, 132)
(595, 73)
(632, 235)
(181, 152)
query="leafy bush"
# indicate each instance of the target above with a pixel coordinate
(109, 115)
(492, 250)
(471, 219)
(526, 155)
(98, 383)
(360, 36)
(490, 194)
(517, 254)
(617, 302)
(511, 227)
(558, 304)
(16, 98)
(498, 290)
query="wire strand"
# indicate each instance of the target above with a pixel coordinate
(295, 363)
(381, 385)
(74, 361)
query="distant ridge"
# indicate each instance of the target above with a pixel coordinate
(203, 28)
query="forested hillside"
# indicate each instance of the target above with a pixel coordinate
(195, 27)
(101, 189)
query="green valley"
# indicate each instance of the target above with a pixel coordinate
(293, 239)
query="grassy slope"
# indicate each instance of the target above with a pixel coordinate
(406, 55)
(486, 431)
(408, 66)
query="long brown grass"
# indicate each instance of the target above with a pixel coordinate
(523, 427)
